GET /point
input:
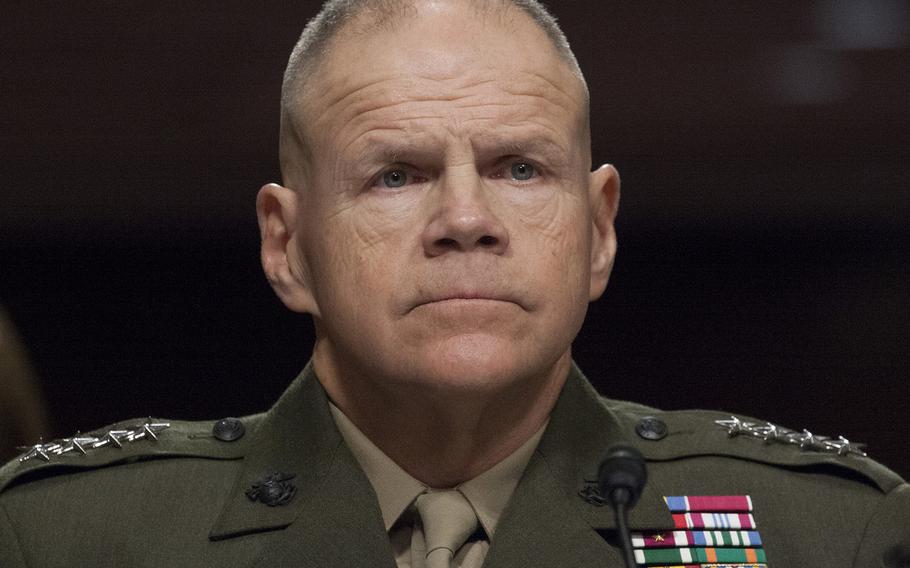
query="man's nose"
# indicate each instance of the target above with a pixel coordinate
(463, 219)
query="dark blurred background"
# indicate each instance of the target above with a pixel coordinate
(764, 262)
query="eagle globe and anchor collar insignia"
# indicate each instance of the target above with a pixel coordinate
(273, 490)
(85, 444)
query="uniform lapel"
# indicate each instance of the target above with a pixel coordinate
(340, 525)
(334, 517)
(334, 505)
(547, 522)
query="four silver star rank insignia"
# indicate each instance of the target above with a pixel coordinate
(806, 440)
(84, 444)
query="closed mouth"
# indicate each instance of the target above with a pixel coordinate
(466, 298)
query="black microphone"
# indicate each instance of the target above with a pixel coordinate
(620, 480)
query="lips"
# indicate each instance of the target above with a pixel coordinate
(466, 295)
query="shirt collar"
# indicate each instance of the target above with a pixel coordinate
(396, 489)
(489, 492)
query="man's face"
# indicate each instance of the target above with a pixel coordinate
(444, 228)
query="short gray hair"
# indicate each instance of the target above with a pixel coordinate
(313, 45)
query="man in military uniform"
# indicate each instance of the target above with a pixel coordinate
(440, 221)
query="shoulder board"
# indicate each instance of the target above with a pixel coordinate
(131, 441)
(668, 435)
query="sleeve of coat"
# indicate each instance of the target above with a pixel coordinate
(886, 542)
(10, 552)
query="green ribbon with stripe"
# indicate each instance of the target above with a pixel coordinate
(662, 555)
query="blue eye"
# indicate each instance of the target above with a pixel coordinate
(522, 171)
(395, 178)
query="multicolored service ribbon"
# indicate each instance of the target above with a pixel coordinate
(695, 538)
(734, 542)
(652, 556)
(713, 521)
(710, 504)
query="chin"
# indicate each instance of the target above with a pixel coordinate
(474, 362)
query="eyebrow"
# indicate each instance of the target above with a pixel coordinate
(390, 149)
(520, 146)
(524, 144)
(389, 146)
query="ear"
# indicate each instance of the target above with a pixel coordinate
(604, 194)
(282, 262)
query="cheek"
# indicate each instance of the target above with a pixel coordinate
(558, 249)
(379, 227)
(559, 230)
(354, 251)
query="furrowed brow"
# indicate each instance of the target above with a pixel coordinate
(525, 146)
(390, 148)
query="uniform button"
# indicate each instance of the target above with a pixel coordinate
(651, 428)
(228, 429)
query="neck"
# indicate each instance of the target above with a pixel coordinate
(444, 439)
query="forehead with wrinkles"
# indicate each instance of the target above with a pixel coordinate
(436, 51)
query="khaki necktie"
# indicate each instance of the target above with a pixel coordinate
(448, 520)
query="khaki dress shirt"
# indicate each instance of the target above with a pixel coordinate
(396, 490)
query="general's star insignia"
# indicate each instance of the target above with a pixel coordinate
(39, 450)
(112, 437)
(77, 443)
(770, 432)
(53, 448)
(806, 440)
(147, 430)
(734, 425)
(82, 444)
(844, 447)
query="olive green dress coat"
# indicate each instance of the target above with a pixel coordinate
(182, 499)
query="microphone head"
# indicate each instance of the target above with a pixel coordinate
(622, 475)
